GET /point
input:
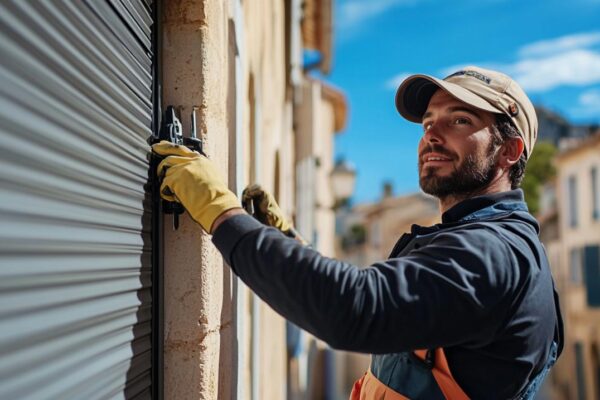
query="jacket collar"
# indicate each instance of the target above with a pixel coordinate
(485, 205)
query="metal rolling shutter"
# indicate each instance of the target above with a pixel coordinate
(75, 246)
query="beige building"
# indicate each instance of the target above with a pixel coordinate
(573, 240)
(382, 224)
(101, 296)
(263, 121)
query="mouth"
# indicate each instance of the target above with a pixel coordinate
(433, 159)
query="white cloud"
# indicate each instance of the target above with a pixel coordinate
(590, 98)
(393, 83)
(588, 105)
(560, 44)
(355, 13)
(589, 102)
(572, 68)
(569, 60)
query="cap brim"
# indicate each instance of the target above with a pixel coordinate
(413, 95)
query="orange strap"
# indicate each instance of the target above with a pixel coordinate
(443, 376)
(370, 388)
(357, 388)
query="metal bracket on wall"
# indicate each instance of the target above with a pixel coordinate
(172, 131)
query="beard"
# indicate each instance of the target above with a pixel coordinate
(473, 174)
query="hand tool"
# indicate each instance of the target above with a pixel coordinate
(172, 131)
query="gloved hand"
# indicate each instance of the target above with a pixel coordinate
(267, 211)
(192, 180)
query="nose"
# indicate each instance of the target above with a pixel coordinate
(433, 135)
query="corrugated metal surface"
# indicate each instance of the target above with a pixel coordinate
(75, 251)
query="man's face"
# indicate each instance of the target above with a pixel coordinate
(457, 155)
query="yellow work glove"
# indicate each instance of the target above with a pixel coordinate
(267, 211)
(192, 180)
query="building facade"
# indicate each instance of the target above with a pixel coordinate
(263, 121)
(382, 223)
(573, 245)
(104, 297)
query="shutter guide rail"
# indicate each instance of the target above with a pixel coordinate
(157, 223)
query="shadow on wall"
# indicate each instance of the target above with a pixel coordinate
(228, 345)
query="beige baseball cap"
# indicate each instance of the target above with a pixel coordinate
(481, 88)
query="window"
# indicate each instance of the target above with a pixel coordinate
(591, 274)
(595, 194)
(572, 200)
(375, 234)
(580, 370)
(596, 364)
(575, 266)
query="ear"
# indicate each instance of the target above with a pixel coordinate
(510, 153)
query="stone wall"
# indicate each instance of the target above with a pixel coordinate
(210, 318)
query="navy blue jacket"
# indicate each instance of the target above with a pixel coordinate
(478, 285)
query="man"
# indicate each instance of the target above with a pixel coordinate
(462, 309)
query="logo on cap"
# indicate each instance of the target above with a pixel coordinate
(474, 74)
(513, 109)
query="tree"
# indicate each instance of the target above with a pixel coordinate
(539, 170)
(356, 235)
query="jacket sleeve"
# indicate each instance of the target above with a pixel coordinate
(452, 291)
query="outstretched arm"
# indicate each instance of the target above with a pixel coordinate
(424, 300)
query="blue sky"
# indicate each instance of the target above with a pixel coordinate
(552, 48)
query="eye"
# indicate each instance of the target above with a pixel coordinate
(461, 121)
(427, 125)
